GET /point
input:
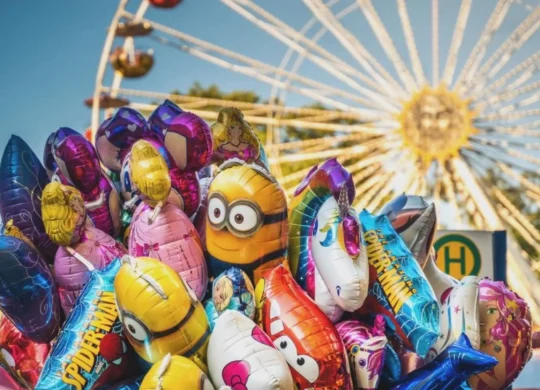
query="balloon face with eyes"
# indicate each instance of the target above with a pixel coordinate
(303, 334)
(246, 225)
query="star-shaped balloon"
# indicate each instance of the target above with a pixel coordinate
(450, 369)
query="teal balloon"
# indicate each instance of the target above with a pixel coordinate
(449, 370)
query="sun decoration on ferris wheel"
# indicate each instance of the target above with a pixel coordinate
(416, 126)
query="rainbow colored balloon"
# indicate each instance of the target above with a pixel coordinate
(22, 179)
(325, 237)
(398, 288)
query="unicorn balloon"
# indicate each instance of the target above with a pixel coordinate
(365, 347)
(325, 238)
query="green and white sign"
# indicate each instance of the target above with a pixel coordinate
(471, 252)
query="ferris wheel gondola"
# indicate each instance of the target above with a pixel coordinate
(431, 127)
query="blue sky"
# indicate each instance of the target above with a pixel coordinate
(51, 51)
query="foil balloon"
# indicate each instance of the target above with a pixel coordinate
(459, 314)
(150, 175)
(160, 314)
(78, 162)
(116, 135)
(186, 136)
(172, 239)
(242, 356)
(176, 372)
(199, 220)
(64, 215)
(440, 281)
(366, 349)
(25, 356)
(247, 220)
(505, 333)
(449, 370)
(28, 295)
(232, 290)
(128, 192)
(22, 178)
(398, 288)
(302, 333)
(9, 379)
(335, 233)
(129, 384)
(91, 336)
(52, 141)
(415, 220)
(234, 137)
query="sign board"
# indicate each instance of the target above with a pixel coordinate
(471, 252)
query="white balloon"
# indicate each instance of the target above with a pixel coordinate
(240, 352)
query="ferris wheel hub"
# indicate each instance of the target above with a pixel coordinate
(436, 123)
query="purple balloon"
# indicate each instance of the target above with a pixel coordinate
(365, 347)
(160, 120)
(28, 294)
(22, 179)
(116, 135)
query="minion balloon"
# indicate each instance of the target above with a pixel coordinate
(159, 312)
(246, 225)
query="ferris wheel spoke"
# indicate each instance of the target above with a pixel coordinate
(529, 185)
(504, 52)
(435, 41)
(493, 102)
(450, 192)
(521, 131)
(267, 74)
(510, 116)
(387, 44)
(524, 70)
(505, 143)
(298, 42)
(518, 215)
(509, 156)
(322, 142)
(480, 48)
(366, 190)
(457, 39)
(354, 47)
(411, 43)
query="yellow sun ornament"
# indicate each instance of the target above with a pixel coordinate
(435, 124)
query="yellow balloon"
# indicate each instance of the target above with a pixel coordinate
(149, 173)
(246, 225)
(176, 372)
(63, 213)
(160, 314)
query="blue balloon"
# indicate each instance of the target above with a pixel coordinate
(392, 365)
(81, 358)
(28, 294)
(231, 290)
(162, 117)
(450, 369)
(22, 179)
(398, 288)
(130, 384)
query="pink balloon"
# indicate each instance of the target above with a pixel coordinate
(71, 275)
(172, 239)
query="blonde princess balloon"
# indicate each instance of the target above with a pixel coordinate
(234, 137)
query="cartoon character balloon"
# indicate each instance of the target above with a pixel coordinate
(398, 287)
(28, 295)
(325, 237)
(459, 314)
(176, 372)
(82, 353)
(116, 135)
(160, 314)
(302, 333)
(505, 333)
(22, 178)
(365, 346)
(415, 220)
(77, 160)
(120, 358)
(448, 371)
(232, 290)
(234, 137)
(26, 356)
(247, 220)
(242, 356)
(64, 217)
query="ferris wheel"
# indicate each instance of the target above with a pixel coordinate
(438, 104)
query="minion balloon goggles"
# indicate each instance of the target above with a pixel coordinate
(242, 217)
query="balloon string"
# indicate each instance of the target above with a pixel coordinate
(155, 213)
(81, 258)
